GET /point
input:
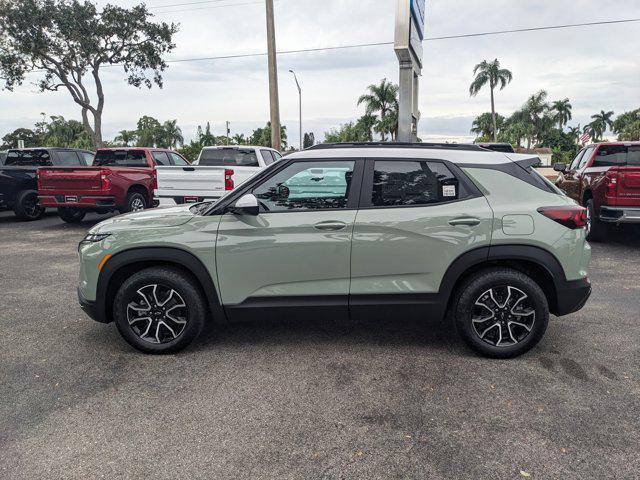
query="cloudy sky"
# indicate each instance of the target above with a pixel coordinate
(596, 67)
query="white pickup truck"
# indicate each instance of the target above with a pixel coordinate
(216, 172)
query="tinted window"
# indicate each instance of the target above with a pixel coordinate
(178, 160)
(633, 157)
(161, 158)
(307, 186)
(3, 155)
(266, 156)
(87, 157)
(611, 156)
(276, 156)
(585, 158)
(120, 158)
(32, 158)
(576, 161)
(68, 158)
(412, 183)
(228, 157)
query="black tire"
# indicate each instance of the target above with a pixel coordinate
(597, 231)
(27, 206)
(71, 215)
(136, 202)
(498, 280)
(171, 335)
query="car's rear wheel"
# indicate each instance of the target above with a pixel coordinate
(159, 310)
(501, 312)
(596, 230)
(136, 202)
(27, 206)
(71, 215)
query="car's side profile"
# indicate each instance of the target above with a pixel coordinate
(350, 230)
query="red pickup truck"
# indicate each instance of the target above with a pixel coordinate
(120, 179)
(604, 178)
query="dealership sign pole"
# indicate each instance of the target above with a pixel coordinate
(410, 25)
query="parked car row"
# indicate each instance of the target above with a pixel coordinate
(76, 182)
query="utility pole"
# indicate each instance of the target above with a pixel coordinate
(300, 103)
(228, 132)
(276, 140)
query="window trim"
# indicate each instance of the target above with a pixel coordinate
(366, 191)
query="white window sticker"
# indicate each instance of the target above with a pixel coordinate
(448, 190)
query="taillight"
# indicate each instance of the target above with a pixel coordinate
(612, 183)
(228, 180)
(105, 181)
(571, 216)
(154, 182)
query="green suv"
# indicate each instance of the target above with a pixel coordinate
(351, 230)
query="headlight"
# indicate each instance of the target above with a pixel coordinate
(93, 238)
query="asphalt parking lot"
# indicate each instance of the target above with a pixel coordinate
(295, 399)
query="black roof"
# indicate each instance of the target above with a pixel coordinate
(439, 146)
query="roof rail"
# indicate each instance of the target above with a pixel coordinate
(438, 146)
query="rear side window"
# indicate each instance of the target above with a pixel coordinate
(161, 158)
(266, 156)
(28, 158)
(228, 157)
(68, 158)
(611, 156)
(87, 157)
(120, 158)
(633, 157)
(178, 160)
(409, 183)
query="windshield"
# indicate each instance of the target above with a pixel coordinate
(228, 157)
(22, 158)
(120, 158)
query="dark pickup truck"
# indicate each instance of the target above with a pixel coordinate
(18, 176)
(604, 178)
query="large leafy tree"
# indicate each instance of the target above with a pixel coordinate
(262, 136)
(490, 73)
(562, 112)
(627, 126)
(382, 99)
(309, 140)
(31, 138)
(149, 132)
(70, 41)
(483, 126)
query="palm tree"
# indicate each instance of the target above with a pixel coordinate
(173, 133)
(483, 125)
(382, 98)
(562, 109)
(536, 109)
(575, 132)
(491, 73)
(125, 137)
(239, 139)
(601, 121)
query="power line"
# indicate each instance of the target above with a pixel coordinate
(208, 8)
(153, 7)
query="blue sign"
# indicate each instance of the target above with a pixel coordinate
(418, 8)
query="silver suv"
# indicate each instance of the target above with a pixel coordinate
(351, 230)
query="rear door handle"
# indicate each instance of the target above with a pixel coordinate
(468, 221)
(330, 225)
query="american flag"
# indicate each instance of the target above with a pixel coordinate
(585, 138)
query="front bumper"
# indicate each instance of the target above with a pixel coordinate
(572, 296)
(90, 308)
(620, 214)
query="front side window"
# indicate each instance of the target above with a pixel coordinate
(611, 156)
(68, 158)
(307, 186)
(228, 157)
(120, 158)
(409, 183)
(585, 158)
(576, 161)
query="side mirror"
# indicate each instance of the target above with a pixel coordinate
(560, 167)
(246, 205)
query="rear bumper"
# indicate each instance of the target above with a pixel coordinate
(92, 202)
(90, 308)
(620, 214)
(572, 296)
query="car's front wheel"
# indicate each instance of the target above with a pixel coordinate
(501, 312)
(159, 310)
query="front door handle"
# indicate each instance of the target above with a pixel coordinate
(330, 226)
(467, 221)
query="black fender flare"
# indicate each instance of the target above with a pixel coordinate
(150, 255)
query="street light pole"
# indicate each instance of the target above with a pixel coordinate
(276, 140)
(300, 103)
